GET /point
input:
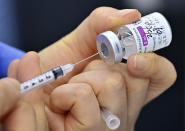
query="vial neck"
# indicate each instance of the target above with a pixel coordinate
(127, 42)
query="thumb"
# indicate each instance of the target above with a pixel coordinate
(159, 70)
(9, 94)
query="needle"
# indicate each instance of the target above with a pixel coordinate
(86, 59)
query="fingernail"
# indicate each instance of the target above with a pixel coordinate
(123, 17)
(140, 62)
(123, 12)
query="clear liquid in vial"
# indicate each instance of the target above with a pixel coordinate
(127, 41)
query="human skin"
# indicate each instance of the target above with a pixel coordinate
(9, 102)
(72, 103)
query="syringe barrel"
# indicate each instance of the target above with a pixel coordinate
(37, 81)
(46, 77)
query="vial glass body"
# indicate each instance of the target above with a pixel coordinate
(150, 33)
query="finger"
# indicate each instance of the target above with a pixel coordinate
(109, 89)
(12, 69)
(107, 85)
(81, 42)
(161, 72)
(136, 88)
(29, 67)
(56, 121)
(22, 118)
(9, 95)
(79, 100)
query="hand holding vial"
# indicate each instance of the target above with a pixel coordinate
(73, 103)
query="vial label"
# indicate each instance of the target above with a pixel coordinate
(151, 33)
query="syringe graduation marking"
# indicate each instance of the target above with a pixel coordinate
(50, 76)
(38, 81)
(43, 78)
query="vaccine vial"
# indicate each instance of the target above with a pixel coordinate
(152, 32)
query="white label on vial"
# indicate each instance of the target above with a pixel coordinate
(151, 33)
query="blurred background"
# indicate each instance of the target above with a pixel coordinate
(35, 24)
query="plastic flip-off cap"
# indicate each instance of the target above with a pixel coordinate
(109, 47)
(112, 121)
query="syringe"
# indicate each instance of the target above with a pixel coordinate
(50, 76)
(112, 121)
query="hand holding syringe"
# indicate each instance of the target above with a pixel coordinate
(112, 48)
(111, 120)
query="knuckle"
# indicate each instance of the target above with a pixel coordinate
(136, 14)
(84, 90)
(114, 81)
(136, 11)
(32, 54)
(96, 12)
(102, 12)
